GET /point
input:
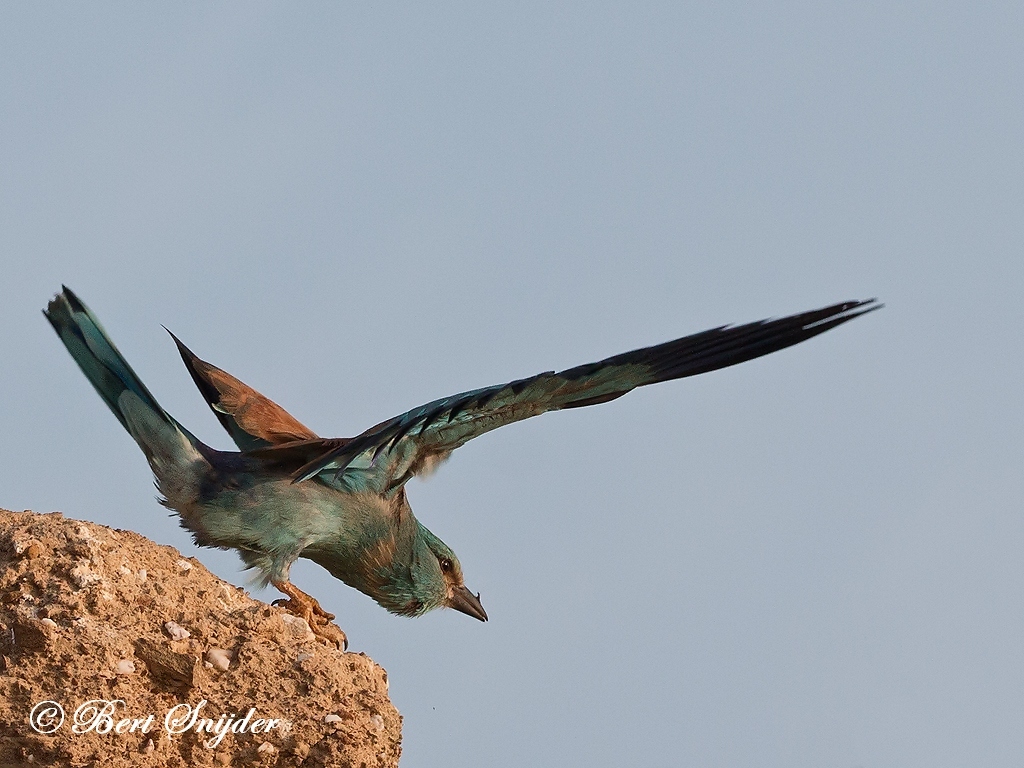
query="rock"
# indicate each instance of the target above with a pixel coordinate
(168, 669)
(219, 659)
(91, 616)
(175, 631)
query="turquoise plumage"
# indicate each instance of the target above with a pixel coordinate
(341, 502)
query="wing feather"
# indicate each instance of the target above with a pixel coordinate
(400, 447)
(253, 420)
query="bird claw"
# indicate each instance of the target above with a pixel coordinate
(318, 611)
(330, 635)
(289, 605)
(307, 608)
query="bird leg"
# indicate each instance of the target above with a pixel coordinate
(306, 607)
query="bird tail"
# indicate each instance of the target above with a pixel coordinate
(170, 449)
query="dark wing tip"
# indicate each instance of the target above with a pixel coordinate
(864, 306)
(187, 355)
(838, 314)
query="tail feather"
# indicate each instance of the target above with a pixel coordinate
(172, 452)
(97, 356)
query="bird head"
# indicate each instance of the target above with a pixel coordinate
(437, 577)
(404, 567)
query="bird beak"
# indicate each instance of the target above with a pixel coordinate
(465, 601)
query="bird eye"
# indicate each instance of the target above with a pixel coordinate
(446, 564)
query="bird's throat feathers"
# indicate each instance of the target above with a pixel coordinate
(389, 560)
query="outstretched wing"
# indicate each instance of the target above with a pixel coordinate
(397, 449)
(253, 420)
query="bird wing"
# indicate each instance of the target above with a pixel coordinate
(253, 420)
(387, 455)
(262, 429)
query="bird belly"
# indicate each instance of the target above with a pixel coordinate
(272, 516)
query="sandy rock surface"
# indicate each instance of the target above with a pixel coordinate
(93, 614)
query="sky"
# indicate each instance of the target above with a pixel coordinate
(810, 559)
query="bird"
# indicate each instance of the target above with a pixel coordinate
(288, 493)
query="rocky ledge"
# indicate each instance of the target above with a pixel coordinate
(116, 651)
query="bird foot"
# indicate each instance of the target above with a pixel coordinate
(320, 621)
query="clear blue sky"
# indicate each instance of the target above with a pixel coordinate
(813, 559)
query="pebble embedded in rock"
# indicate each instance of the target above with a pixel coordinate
(299, 627)
(125, 667)
(176, 632)
(219, 658)
(83, 575)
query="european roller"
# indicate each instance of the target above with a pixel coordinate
(341, 502)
